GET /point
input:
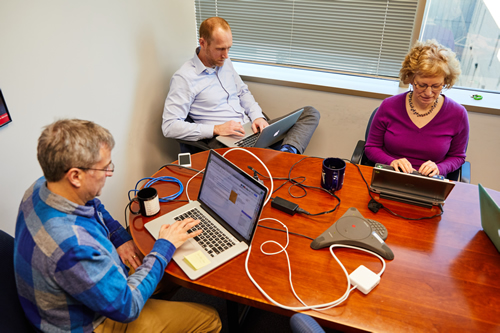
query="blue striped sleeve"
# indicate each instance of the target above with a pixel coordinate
(90, 273)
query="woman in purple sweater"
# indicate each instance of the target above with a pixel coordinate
(422, 129)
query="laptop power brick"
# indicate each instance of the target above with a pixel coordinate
(284, 205)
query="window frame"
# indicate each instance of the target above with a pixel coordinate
(362, 86)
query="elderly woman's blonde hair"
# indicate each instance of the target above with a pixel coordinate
(430, 59)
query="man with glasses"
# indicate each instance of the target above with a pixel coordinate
(70, 254)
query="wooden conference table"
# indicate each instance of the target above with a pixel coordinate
(445, 276)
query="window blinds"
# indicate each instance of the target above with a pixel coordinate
(368, 37)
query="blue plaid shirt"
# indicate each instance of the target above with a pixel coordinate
(68, 273)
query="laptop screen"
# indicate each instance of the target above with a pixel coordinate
(232, 194)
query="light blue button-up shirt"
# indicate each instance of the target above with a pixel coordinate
(211, 96)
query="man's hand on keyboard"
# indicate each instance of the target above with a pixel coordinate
(176, 233)
(259, 124)
(229, 128)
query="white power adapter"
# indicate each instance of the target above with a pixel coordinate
(364, 279)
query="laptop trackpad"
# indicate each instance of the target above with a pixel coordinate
(187, 248)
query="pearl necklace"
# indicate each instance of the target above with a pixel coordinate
(412, 108)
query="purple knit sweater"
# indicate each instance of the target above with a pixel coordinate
(443, 140)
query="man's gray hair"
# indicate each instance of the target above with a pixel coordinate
(71, 143)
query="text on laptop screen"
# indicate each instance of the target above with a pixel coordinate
(231, 195)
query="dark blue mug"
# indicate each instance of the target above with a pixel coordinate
(332, 174)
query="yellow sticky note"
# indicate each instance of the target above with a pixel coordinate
(196, 260)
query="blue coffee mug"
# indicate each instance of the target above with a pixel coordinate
(332, 175)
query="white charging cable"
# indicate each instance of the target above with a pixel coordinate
(317, 307)
(187, 184)
(265, 167)
(258, 159)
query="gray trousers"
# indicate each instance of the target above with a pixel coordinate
(298, 136)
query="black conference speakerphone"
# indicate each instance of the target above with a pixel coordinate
(355, 230)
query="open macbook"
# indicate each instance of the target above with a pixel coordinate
(269, 135)
(229, 205)
(490, 216)
(410, 188)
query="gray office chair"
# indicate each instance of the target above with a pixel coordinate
(359, 157)
(12, 317)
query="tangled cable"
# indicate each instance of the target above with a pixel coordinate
(152, 180)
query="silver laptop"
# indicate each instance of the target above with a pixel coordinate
(269, 135)
(409, 188)
(490, 216)
(229, 205)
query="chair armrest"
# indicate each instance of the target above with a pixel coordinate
(465, 172)
(357, 155)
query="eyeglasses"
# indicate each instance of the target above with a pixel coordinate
(434, 87)
(109, 168)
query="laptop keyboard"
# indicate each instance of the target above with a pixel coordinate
(249, 141)
(212, 240)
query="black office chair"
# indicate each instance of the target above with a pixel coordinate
(194, 147)
(359, 157)
(12, 317)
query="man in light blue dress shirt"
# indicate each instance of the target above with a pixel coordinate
(210, 91)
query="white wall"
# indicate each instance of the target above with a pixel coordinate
(106, 61)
